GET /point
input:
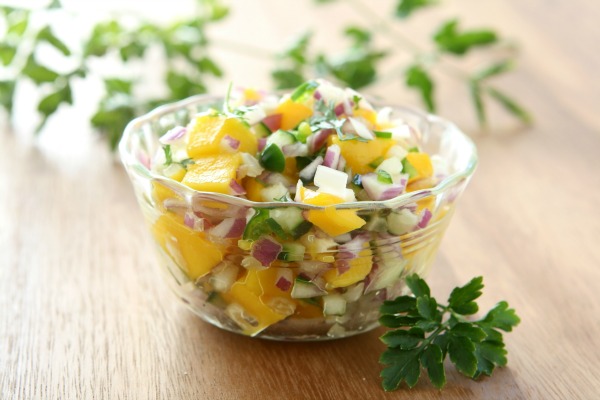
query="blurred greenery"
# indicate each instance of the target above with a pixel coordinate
(186, 46)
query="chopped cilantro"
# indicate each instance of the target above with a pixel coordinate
(168, 157)
(383, 135)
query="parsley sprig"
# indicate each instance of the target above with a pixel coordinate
(425, 332)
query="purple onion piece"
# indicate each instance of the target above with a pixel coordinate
(283, 284)
(332, 156)
(236, 188)
(262, 142)
(339, 109)
(317, 95)
(308, 173)
(266, 250)
(425, 218)
(173, 135)
(231, 142)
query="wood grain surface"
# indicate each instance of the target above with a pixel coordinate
(84, 313)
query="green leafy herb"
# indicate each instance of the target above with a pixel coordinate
(356, 100)
(405, 8)
(418, 78)
(449, 39)
(384, 177)
(307, 88)
(428, 332)
(510, 105)
(168, 156)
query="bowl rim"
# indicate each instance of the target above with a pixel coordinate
(131, 162)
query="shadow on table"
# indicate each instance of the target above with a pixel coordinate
(240, 367)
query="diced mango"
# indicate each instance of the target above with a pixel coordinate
(197, 253)
(161, 192)
(252, 95)
(207, 131)
(253, 188)
(427, 202)
(213, 173)
(292, 113)
(422, 164)
(331, 221)
(368, 115)
(291, 170)
(335, 222)
(358, 155)
(258, 316)
(359, 269)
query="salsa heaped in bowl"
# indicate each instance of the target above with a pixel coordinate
(294, 217)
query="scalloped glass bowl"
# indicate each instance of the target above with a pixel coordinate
(342, 285)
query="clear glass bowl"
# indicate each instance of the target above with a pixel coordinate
(334, 288)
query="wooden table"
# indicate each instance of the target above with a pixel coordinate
(84, 313)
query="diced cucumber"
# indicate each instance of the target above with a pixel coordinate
(223, 276)
(377, 223)
(301, 229)
(292, 252)
(334, 304)
(304, 289)
(274, 192)
(261, 130)
(401, 222)
(289, 217)
(386, 274)
(281, 138)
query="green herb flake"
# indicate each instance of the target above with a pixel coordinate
(168, 156)
(428, 332)
(383, 135)
(384, 177)
(304, 89)
(375, 163)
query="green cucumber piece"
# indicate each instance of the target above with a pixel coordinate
(281, 138)
(292, 252)
(272, 158)
(261, 130)
(304, 289)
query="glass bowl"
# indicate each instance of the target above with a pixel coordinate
(319, 287)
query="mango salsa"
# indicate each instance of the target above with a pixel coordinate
(292, 113)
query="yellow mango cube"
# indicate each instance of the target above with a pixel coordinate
(358, 155)
(246, 307)
(253, 188)
(206, 132)
(335, 222)
(292, 113)
(213, 173)
(195, 254)
(422, 164)
(359, 269)
(329, 220)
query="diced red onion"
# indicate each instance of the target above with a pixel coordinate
(316, 141)
(332, 156)
(425, 218)
(317, 95)
(236, 188)
(262, 142)
(144, 159)
(229, 228)
(308, 173)
(339, 109)
(273, 122)
(392, 192)
(192, 221)
(266, 250)
(230, 142)
(380, 191)
(173, 135)
(284, 279)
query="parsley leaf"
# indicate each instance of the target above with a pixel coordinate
(449, 39)
(168, 156)
(405, 8)
(418, 78)
(428, 332)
